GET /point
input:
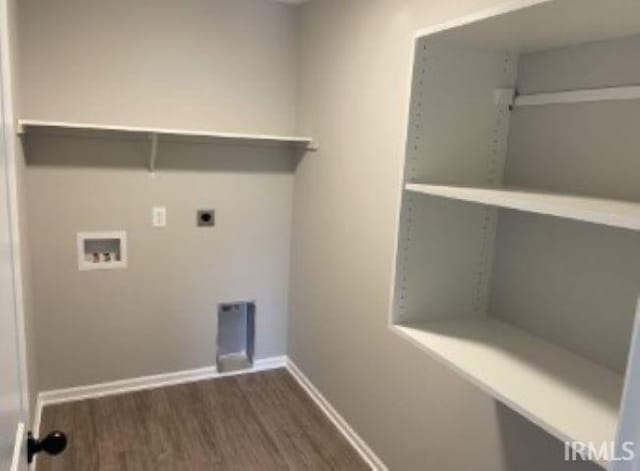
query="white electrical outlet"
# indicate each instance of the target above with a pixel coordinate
(159, 217)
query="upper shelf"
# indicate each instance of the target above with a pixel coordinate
(60, 127)
(515, 25)
(24, 125)
(615, 213)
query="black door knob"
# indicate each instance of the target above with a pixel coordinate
(52, 444)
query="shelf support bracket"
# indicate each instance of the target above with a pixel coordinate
(154, 153)
(312, 146)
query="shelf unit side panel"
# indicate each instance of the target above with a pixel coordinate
(456, 132)
(442, 261)
(629, 423)
(401, 305)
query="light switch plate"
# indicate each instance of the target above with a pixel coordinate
(159, 217)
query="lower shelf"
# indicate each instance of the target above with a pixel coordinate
(565, 394)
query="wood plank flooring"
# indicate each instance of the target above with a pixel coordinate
(263, 421)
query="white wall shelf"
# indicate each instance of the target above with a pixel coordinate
(155, 134)
(568, 396)
(615, 213)
(25, 124)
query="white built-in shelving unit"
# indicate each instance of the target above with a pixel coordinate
(154, 134)
(518, 257)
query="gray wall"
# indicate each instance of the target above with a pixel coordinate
(159, 314)
(353, 94)
(210, 64)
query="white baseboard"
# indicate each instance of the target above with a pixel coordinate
(343, 426)
(59, 396)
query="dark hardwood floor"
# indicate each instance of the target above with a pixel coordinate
(263, 421)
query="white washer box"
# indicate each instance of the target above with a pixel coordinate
(102, 250)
